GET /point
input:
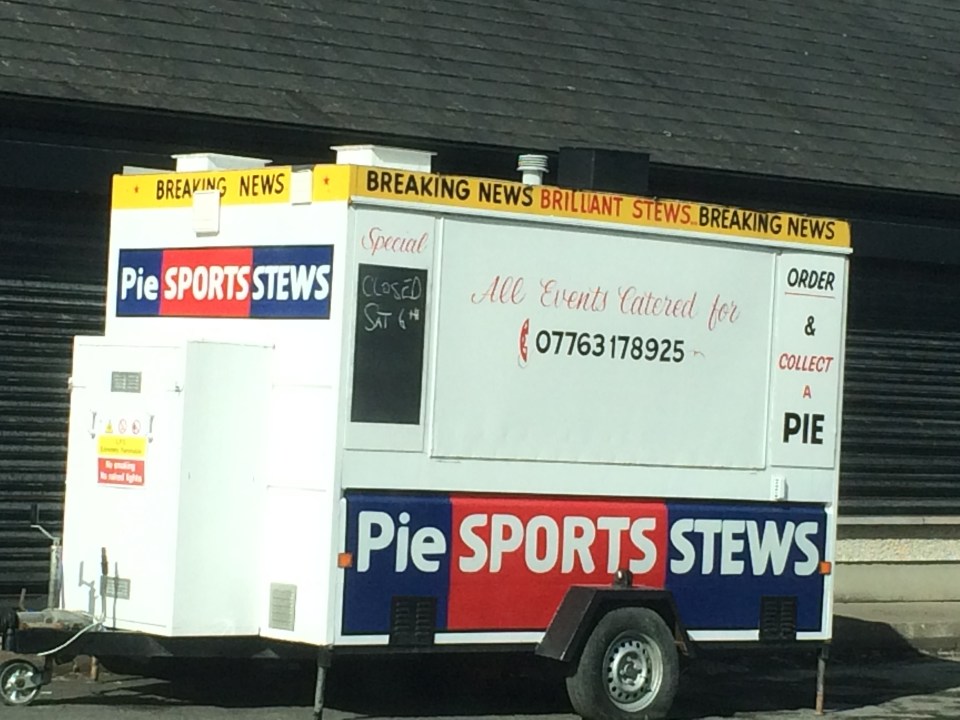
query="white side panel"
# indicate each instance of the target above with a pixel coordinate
(223, 479)
(725, 635)
(298, 519)
(471, 638)
(535, 637)
(297, 552)
(135, 522)
(804, 417)
(302, 436)
(606, 348)
(406, 471)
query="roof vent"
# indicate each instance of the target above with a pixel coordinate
(533, 168)
(200, 162)
(383, 156)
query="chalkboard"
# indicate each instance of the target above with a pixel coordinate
(388, 345)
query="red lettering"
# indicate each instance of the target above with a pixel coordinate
(722, 312)
(642, 208)
(646, 304)
(547, 287)
(375, 241)
(502, 290)
(591, 300)
(511, 290)
(669, 212)
(805, 363)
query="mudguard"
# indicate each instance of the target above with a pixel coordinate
(584, 605)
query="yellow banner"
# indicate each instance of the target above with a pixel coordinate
(340, 182)
(331, 182)
(122, 445)
(542, 200)
(169, 190)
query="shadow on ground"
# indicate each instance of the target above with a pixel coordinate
(718, 683)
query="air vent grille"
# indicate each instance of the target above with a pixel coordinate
(283, 606)
(778, 618)
(413, 620)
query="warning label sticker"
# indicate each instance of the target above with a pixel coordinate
(122, 446)
(121, 451)
(119, 472)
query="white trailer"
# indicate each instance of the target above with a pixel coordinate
(363, 405)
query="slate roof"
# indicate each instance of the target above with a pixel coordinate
(854, 91)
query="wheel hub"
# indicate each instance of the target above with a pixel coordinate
(633, 671)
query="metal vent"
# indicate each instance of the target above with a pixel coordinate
(778, 618)
(126, 382)
(283, 606)
(115, 587)
(413, 620)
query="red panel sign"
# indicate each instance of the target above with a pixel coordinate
(205, 282)
(515, 558)
(112, 471)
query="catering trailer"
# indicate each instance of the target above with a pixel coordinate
(366, 406)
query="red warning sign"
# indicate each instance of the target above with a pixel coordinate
(120, 472)
(122, 427)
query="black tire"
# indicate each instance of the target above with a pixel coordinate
(628, 670)
(16, 682)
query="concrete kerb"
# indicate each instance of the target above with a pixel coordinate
(897, 628)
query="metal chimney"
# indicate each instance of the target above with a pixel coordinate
(533, 168)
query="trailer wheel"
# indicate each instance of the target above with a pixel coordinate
(18, 685)
(628, 670)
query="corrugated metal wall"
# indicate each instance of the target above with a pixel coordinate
(901, 425)
(52, 268)
(37, 323)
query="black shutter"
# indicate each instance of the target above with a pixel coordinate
(901, 421)
(52, 270)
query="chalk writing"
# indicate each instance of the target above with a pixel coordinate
(388, 345)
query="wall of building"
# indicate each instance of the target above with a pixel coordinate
(914, 559)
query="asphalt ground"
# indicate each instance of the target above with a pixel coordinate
(910, 685)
